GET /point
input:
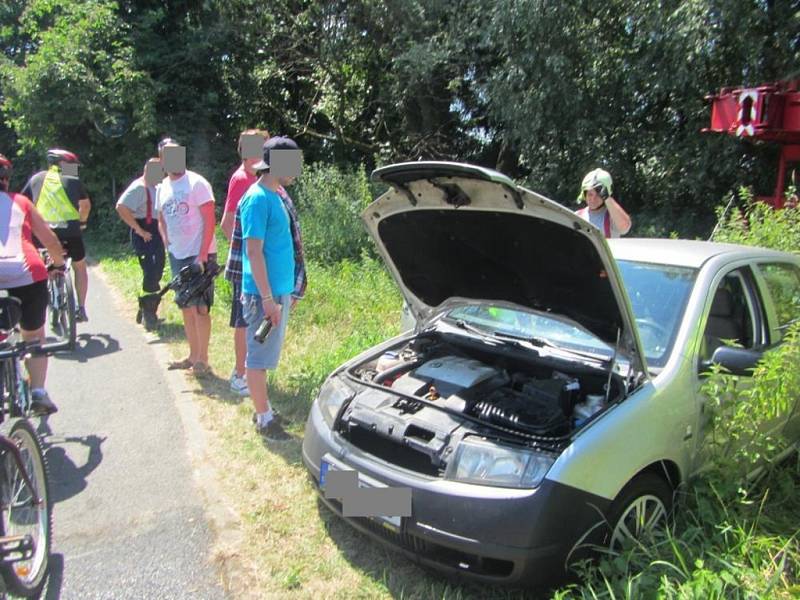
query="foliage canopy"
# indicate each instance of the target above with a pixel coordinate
(542, 90)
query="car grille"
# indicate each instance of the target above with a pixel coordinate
(390, 451)
(447, 557)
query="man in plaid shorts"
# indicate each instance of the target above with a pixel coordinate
(231, 226)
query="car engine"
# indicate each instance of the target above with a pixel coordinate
(423, 396)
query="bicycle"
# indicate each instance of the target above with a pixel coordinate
(61, 303)
(25, 510)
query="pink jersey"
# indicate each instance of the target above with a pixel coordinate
(20, 263)
(240, 181)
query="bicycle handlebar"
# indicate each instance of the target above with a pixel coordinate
(22, 348)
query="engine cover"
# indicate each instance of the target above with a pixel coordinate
(448, 374)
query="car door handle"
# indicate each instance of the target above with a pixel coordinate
(688, 434)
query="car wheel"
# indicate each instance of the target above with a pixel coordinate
(640, 509)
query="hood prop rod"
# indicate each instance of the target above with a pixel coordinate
(612, 363)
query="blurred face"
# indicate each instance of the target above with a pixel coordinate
(593, 200)
(286, 181)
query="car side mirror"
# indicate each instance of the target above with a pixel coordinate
(738, 361)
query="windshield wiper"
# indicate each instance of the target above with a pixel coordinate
(545, 343)
(486, 335)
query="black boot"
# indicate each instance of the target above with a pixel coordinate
(149, 305)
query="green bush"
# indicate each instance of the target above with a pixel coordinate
(330, 201)
(732, 537)
(757, 224)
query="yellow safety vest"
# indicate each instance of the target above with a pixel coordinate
(53, 203)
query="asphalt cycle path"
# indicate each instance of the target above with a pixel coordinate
(129, 516)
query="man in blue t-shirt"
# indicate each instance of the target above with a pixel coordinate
(268, 272)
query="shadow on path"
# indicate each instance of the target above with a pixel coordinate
(55, 578)
(66, 478)
(90, 345)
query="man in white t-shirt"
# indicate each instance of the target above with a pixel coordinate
(185, 206)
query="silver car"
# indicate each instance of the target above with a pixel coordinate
(550, 391)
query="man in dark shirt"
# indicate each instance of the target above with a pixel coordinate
(64, 203)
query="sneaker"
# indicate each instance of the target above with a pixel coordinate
(239, 384)
(41, 404)
(276, 417)
(273, 432)
(80, 315)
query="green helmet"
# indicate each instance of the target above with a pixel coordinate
(598, 180)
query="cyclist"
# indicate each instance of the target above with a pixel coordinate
(64, 203)
(24, 275)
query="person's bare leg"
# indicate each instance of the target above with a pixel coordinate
(202, 320)
(257, 386)
(36, 365)
(190, 329)
(240, 349)
(81, 280)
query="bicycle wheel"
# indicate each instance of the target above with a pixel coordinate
(20, 516)
(53, 308)
(12, 387)
(68, 325)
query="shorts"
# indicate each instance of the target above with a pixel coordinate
(34, 299)
(266, 355)
(176, 264)
(73, 246)
(237, 318)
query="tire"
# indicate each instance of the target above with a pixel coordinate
(640, 509)
(54, 311)
(68, 325)
(25, 578)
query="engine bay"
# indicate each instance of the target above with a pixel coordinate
(426, 394)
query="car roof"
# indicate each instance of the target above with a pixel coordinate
(686, 253)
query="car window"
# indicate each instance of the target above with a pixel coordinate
(658, 295)
(734, 315)
(783, 283)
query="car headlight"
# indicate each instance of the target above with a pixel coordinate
(333, 394)
(487, 463)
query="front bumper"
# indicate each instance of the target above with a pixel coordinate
(488, 534)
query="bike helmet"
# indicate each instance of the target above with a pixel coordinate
(57, 155)
(598, 180)
(5, 166)
(5, 173)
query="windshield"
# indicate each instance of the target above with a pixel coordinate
(533, 326)
(658, 295)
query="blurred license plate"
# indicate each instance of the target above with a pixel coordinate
(392, 523)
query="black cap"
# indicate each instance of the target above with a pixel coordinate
(275, 143)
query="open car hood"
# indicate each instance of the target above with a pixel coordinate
(448, 230)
